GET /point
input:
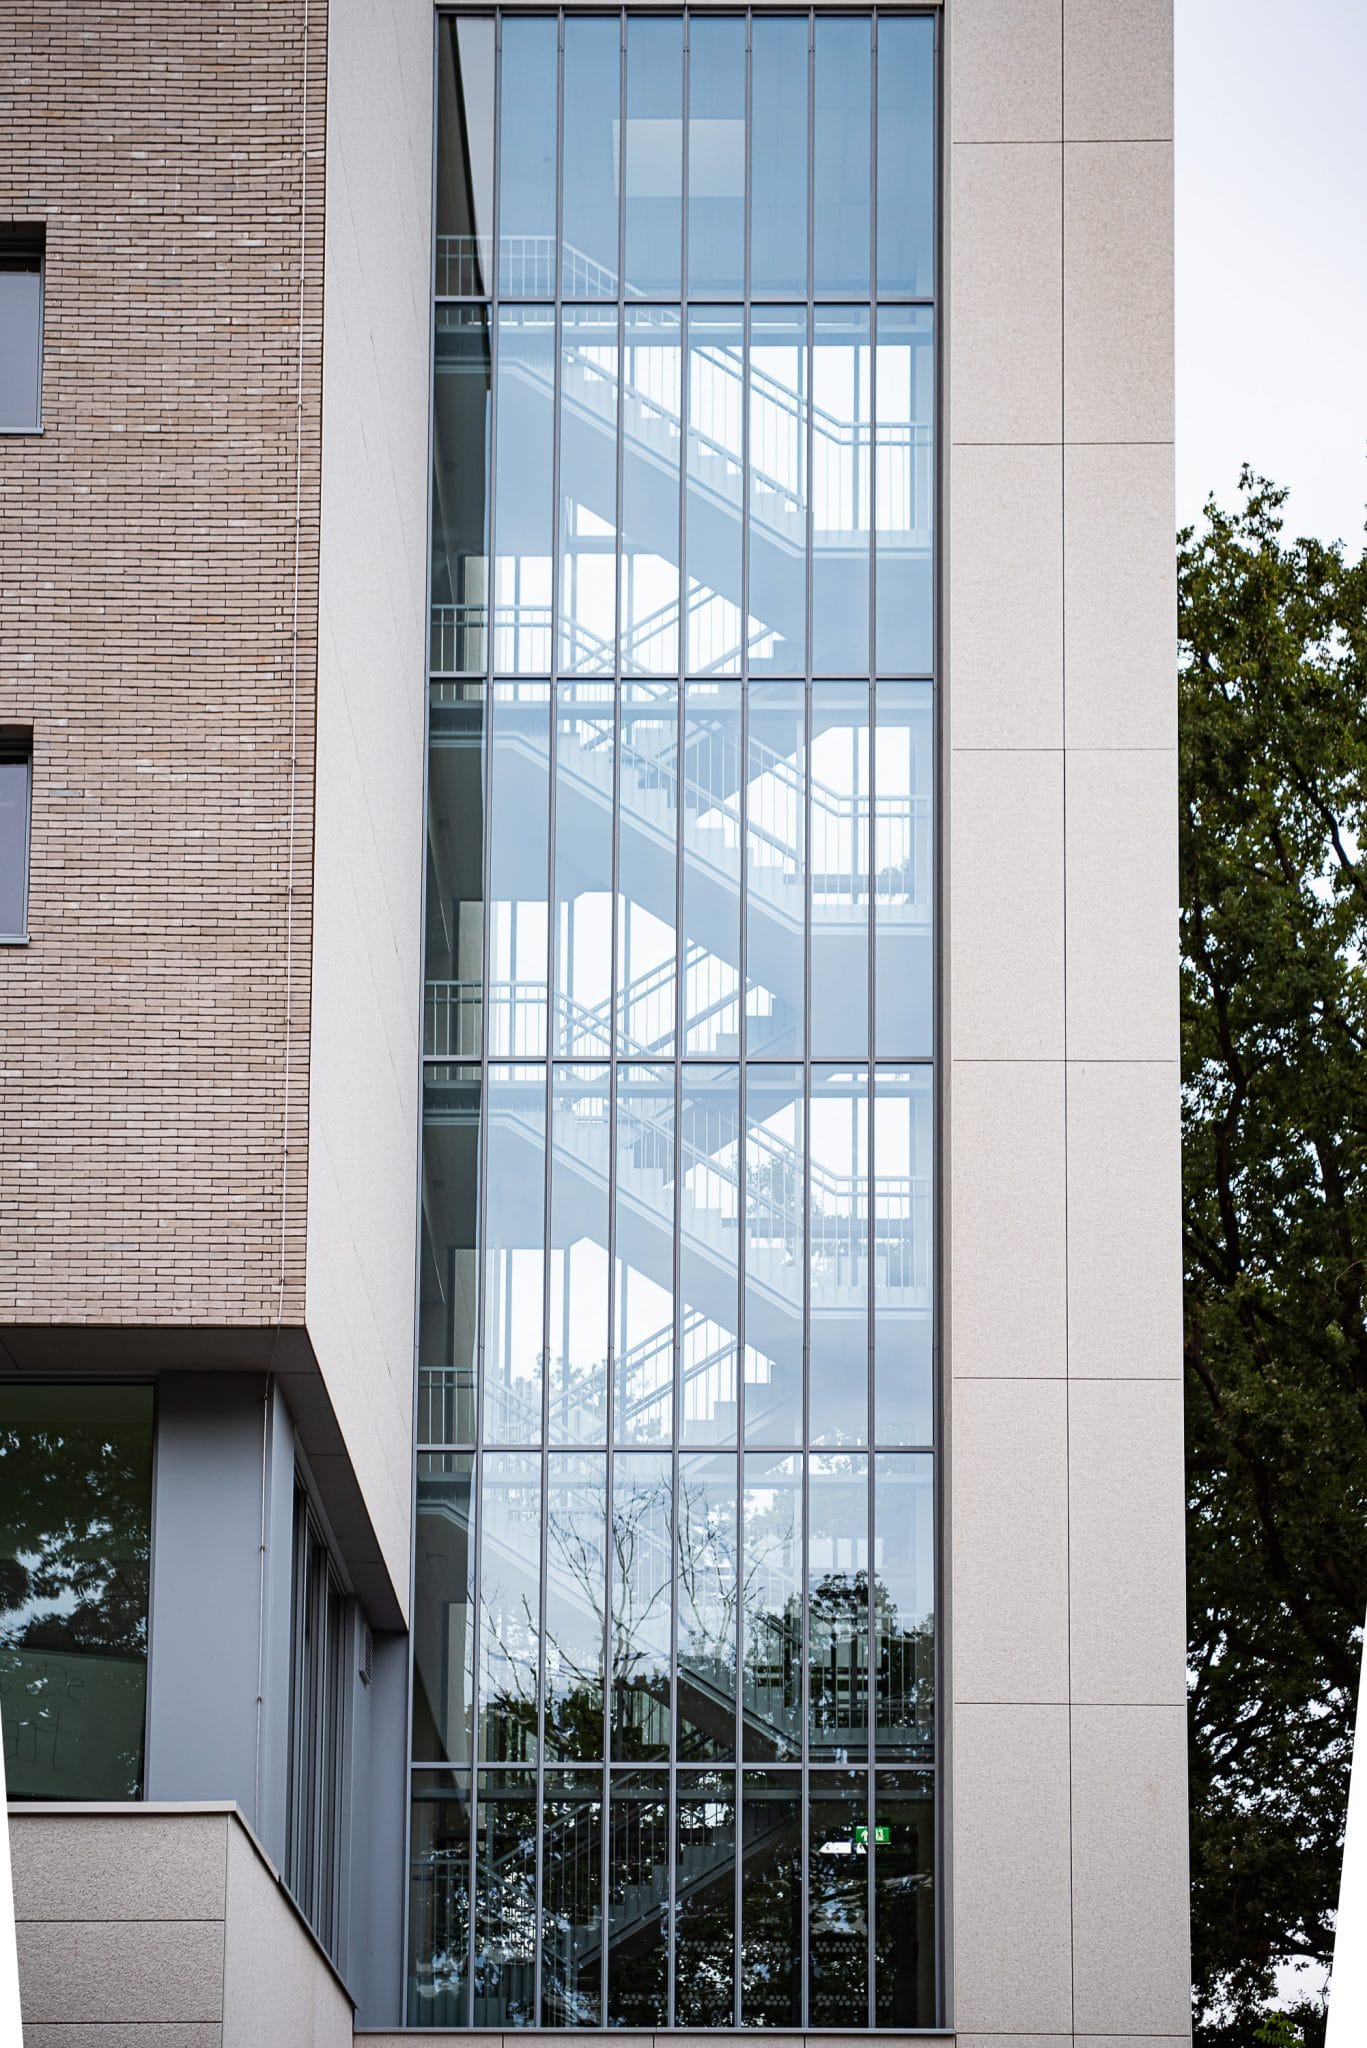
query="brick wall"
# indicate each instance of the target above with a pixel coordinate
(158, 618)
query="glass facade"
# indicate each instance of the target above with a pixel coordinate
(674, 1645)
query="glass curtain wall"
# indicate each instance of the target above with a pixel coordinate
(674, 1641)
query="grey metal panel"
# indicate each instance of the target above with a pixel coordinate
(379, 1772)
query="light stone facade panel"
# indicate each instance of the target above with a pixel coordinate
(1006, 621)
(1008, 1219)
(1121, 808)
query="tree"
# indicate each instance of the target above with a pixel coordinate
(1273, 755)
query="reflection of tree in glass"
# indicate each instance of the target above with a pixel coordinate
(642, 1568)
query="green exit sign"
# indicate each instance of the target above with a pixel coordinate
(881, 1837)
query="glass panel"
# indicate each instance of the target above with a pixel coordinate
(842, 169)
(903, 1158)
(572, 1900)
(523, 491)
(460, 490)
(584, 741)
(505, 1900)
(654, 154)
(904, 1899)
(643, 1267)
(509, 1605)
(651, 418)
(775, 1253)
(21, 340)
(838, 1899)
(465, 155)
(838, 1604)
(526, 172)
(588, 488)
(14, 801)
(778, 154)
(904, 1603)
(905, 514)
(648, 802)
(713, 761)
(707, 1607)
(518, 861)
(443, 1614)
(642, 1581)
(777, 497)
(904, 870)
(771, 1900)
(716, 155)
(838, 1307)
(709, 1320)
(75, 1537)
(454, 946)
(713, 509)
(842, 424)
(448, 1281)
(841, 796)
(906, 156)
(514, 1224)
(638, 1902)
(439, 1901)
(771, 1624)
(576, 1575)
(590, 180)
(577, 1346)
(775, 871)
(705, 1900)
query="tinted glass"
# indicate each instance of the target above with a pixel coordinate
(585, 739)
(577, 1352)
(641, 1599)
(505, 1944)
(453, 1015)
(439, 1901)
(778, 490)
(514, 1255)
(591, 179)
(448, 1285)
(904, 1604)
(648, 808)
(838, 1597)
(775, 1253)
(460, 490)
(705, 1899)
(509, 1605)
(653, 167)
(643, 1270)
(775, 870)
(652, 366)
(771, 1607)
(707, 1582)
(523, 497)
(576, 1589)
(638, 1902)
(586, 642)
(904, 1902)
(838, 1899)
(838, 1206)
(906, 156)
(905, 491)
(527, 151)
(714, 512)
(709, 1210)
(713, 779)
(16, 774)
(842, 427)
(841, 802)
(778, 154)
(21, 337)
(716, 155)
(465, 155)
(443, 1616)
(771, 1901)
(903, 1142)
(841, 173)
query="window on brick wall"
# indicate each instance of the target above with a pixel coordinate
(21, 329)
(16, 779)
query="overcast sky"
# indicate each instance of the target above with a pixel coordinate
(1272, 255)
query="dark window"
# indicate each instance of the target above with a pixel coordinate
(21, 330)
(75, 1535)
(16, 779)
(318, 1721)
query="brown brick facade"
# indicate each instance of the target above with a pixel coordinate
(158, 626)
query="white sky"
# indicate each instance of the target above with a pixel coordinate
(1272, 255)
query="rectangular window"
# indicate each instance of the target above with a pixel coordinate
(21, 330)
(16, 787)
(318, 1729)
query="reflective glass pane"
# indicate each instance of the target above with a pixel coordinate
(904, 1604)
(775, 870)
(652, 414)
(514, 1225)
(587, 642)
(778, 490)
(572, 1899)
(903, 1296)
(642, 1583)
(465, 155)
(771, 1900)
(653, 168)
(775, 1253)
(576, 1585)
(709, 1209)
(842, 424)
(905, 491)
(708, 1591)
(448, 1277)
(838, 1307)
(906, 155)
(460, 490)
(838, 1899)
(526, 172)
(904, 1899)
(504, 1977)
(643, 1269)
(705, 1899)
(453, 1014)
(648, 809)
(713, 774)
(15, 778)
(713, 505)
(778, 154)
(842, 168)
(638, 1901)
(838, 1606)
(904, 870)
(75, 1541)
(524, 500)
(518, 869)
(439, 1901)
(509, 1605)
(443, 1614)
(771, 1607)
(840, 882)
(716, 155)
(591, 178)
(577, 1348)
(585, 729)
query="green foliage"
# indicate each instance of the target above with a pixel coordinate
(1274, 1033)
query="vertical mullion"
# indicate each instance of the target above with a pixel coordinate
(746, 293)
